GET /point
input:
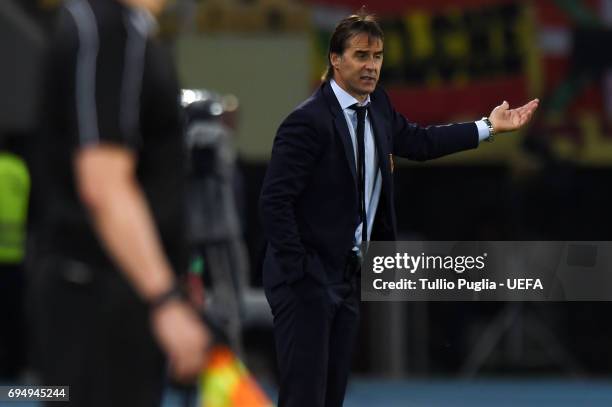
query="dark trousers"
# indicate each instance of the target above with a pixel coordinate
(315, 328)
(91, 332)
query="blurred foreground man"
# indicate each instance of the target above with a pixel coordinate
(329, 188)
(108, 311)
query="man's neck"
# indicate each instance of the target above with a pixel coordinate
(360, 97)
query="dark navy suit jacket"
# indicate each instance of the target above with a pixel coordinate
(309, 199)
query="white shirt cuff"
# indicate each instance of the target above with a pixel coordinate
(483, 130)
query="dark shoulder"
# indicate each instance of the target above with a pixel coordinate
(310, 112)
(64, 34)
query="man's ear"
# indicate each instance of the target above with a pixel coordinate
(335, 59)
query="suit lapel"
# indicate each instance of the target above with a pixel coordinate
(383, 138)
(343, 132)
(382, 147)
(341, 129)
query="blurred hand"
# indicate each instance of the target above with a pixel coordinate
(182, 337)
(505, 119)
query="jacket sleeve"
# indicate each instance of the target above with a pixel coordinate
(425, 143)
(295, 152)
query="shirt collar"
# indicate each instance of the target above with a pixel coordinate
(344, 98)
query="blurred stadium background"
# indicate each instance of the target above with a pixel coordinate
(445, 60)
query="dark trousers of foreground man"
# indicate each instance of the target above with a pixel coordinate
(92, 333)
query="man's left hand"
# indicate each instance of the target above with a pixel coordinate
(505, 119)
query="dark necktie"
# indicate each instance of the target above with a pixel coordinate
(361, 114)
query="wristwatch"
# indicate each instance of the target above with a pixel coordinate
(490, 126)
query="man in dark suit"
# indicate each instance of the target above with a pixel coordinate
(329, 177)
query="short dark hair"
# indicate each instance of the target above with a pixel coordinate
(347, 28)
